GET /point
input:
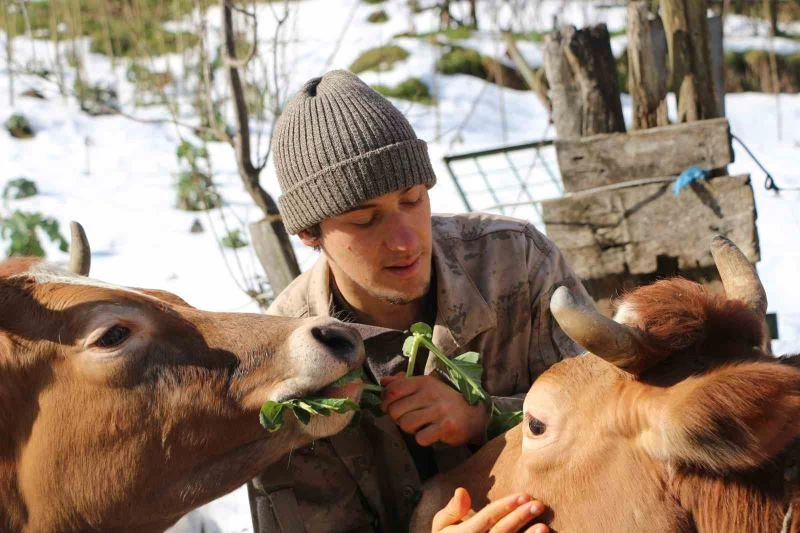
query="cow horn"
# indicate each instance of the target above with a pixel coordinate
(617, 343)
(80, 255)
(739, 276)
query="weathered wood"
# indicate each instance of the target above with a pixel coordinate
(715, 36)
(274, 251)
(688, 59)
(537, 84)
(647, 68)
(581, 73)
(634, 230)
(605, 159)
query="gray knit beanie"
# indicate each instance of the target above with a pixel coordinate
(338, 144)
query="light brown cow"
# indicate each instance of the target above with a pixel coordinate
(123, 409)
(676, 420)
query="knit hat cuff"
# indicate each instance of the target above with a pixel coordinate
(353, 181)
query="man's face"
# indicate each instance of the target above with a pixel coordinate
(382, 248)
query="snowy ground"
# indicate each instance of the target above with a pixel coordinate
(117, 176)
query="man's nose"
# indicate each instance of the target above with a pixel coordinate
(401, 237)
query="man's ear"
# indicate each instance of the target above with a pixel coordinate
(308, 240)
(733, 418)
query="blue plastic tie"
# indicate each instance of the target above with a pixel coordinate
(688, 176)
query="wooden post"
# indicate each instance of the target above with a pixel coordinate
(274, 251)
(715, 36)
(581, 72)
(689, 62)
(647, 68)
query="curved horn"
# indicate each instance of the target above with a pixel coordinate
(617, 343)
(739, 276)
(80, 255)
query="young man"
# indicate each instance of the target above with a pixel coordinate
(354, 181)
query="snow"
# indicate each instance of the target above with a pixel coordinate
(116, 176)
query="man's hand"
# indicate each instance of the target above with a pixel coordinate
(432, 410)
(507, 515)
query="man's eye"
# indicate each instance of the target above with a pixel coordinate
(113, 337)
(412, 201)
(364, 223)
(536, 426)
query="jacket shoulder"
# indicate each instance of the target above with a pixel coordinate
(479, 226)
(293, 300)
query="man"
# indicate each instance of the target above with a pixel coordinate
(354, 181)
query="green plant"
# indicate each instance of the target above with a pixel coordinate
(271, 415)
(233, 239)
(20, 188)
(378, 17)
(460, 60)
(20, 228)
(413, 89)
(373, 2)
(454, 34)
(379, 59)
(464, 372)
(194, 186)
(19, 126)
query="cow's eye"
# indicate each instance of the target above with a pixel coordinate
(113, 336)
(536, 426)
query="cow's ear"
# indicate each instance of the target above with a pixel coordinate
(733, 418)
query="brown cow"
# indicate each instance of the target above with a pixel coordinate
(676, 420)
(122, 409)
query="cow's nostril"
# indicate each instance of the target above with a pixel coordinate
(340, 341)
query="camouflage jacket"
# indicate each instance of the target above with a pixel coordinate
(494, 278)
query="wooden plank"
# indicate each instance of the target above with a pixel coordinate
(631, 231)
(615, 158)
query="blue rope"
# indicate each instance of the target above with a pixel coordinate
(688, 176)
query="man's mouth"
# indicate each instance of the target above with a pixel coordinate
(405, 269)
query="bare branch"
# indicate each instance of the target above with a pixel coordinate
(230, 60)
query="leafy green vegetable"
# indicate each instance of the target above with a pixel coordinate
(271, 415)
(464, 372)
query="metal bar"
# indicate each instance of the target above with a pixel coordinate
(492, 151)
(488, 185)
(523, 187)
(458, 185)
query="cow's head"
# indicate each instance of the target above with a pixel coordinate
(675, 420)
(122, 409)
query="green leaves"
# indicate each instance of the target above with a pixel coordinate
(464, 372)
(271, 415)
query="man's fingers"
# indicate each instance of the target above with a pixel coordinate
(494, 512)
(412, 421)
(429, 435)
(513, 521)
(398, 389)
(456, 509)
(398, 408)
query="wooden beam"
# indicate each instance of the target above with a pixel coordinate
(631, 231)
(606, 159)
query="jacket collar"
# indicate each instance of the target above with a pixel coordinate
(461, 311)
